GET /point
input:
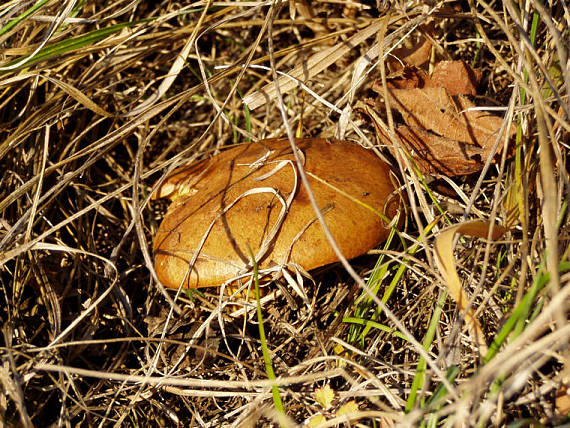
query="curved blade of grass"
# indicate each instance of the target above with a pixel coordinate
(246, 111)
(266, 357)
(379, 271)
(518, 315)
(23, 16)
(72, 44)
(533, 30)
(373, 324)
(401, 270)
(79, 96)
(439, 393)
(374, 281)
(445, 260)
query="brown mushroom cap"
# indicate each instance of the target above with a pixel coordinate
(210, 210)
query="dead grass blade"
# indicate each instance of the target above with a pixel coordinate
(323, 59)
(443, 249)
(79, 96)
(176, 67)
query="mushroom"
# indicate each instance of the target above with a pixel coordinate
(250, 196)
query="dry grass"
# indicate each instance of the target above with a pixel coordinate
(99, 99)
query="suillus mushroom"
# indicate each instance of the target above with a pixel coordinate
(250, 196)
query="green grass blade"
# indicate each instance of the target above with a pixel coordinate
(374, 282)
(378, 273)
(521, 311)
(373, 324)
(72, 44)
(267, 359)
(23, 16)
(246, 112)
(419, 377)
(439, 393)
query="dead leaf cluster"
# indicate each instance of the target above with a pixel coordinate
(443, 131)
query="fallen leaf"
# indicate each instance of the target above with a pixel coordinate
(443, 131)
(446, 264)
(415, 55)
(432, 155)
(457, 77)
(433, 109)
(407, 78)
(430, 152)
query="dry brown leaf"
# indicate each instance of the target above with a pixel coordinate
(432, 155)
(407, 78)
(456, 76)
(446, 264)
(416, 55)
(433, 109)
(443, 131)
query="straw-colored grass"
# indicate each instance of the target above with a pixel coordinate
(98, 100)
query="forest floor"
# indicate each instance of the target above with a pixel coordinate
(100, 100)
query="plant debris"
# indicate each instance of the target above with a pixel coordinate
(99, 99)
(443, 131)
